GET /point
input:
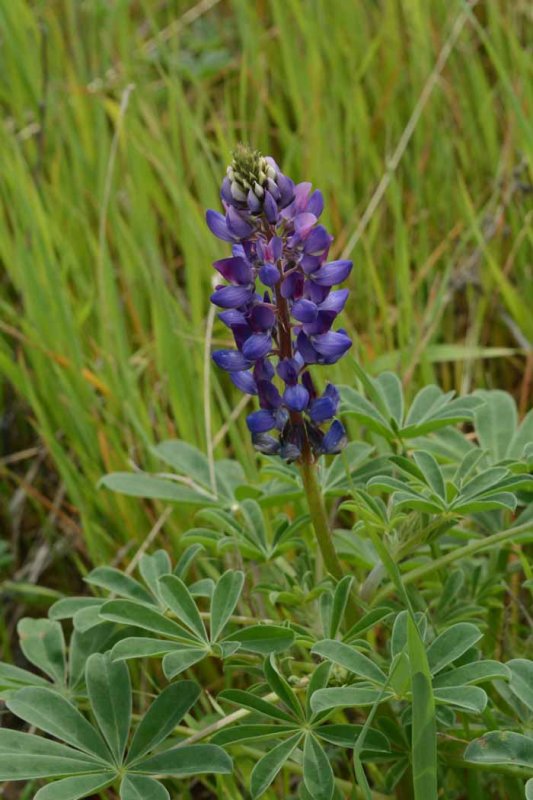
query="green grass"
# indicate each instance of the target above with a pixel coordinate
(118, 120)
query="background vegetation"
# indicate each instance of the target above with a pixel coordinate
(413, 117)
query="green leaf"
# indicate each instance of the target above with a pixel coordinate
(495, 422)
(137, 787)
(248, 733)
(152, 567)
(484, 481)
(129, 612)
(142, 484)
(43, 644)
(186, 559)
(522, 438)
(76, 787)
(359, 407)
(318, 775)
(180, 601)
(392, 392)
(424, 730)
(475, 672)
(263, 639)
(252, 702)
(67, 607)
(225, 598)
(351, 659)
(428, 400)
(15, 678)
(529, 789)
(368, 621)
(432, 473)
(192, 759)
(24, 756)
(501, 747)
(471, 698)
(346, 696)
(522, 680)
(318, 680)
(280, 686)
(345, 735)
(451, 644)
(55, 715)
(268, 767)
(167, 710)
(117, 582)
(109, 691)
(141, 647)
(179, 660)
(340, 599)
(185, 458)
(399, 631)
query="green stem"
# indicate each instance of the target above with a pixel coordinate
(320, 520)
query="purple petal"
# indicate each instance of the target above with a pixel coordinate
(232, 317)
(288, 370)
(237, 224)
(317, 241)
(261, 421)
(269, 397)
(309, 385)
(230, 360)
(335, 438)
(253, 202)
(315, 204)
(303, 223)
(216, 223)
(231, 296)
(309, 264)
(335, 301)
(262, 317)
(275, 247)
(244, 381)
(286, 190)
(272, 187)
(315, 292)
(332, 392)
(301, 193)
(292, 285)
(296, 397)
(306, 349)
(263, 370)
(235, 269)
(332, 273)
(265, 443)
(322, 323)
(332, 344)
(257, 346)
(322, 409)
(271, 208)
(304, 311)
(269, 274)
(225, 191)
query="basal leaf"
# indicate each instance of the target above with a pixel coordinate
(191, 759)
(76, 787)
(268, 767)
(351, 659)
(318, 775)
(451, 644)
(501, 747)
(109, 691)
(138, 787)
(471, 698)
(129, 612)
(117, 582)
(181, 603)
(178, 661)
(225, 598)
(522, 680)
(24, 756)
(43, 644)
(263, 639)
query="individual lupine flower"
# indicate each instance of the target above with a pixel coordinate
(280, 306)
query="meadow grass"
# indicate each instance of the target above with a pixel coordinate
(118, 120)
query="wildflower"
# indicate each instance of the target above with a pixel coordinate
(279, 303)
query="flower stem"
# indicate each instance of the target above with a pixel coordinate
(320, 520)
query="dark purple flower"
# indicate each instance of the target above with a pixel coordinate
(277, 241)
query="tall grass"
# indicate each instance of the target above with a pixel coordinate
(118, 121)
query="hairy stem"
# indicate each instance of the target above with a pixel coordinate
(320, 520)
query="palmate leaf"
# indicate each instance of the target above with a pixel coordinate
(43, 644)
(318, 775)
(225, 597)
(252, 702)
(179, 660)
(109, 691)
(249, 733)
(182, 605)
(521, 682)
(24, 756)
(117, 582)
(138, 787)
(471, 698)
(351, 659)
(473, 673)
(451, 644)
(185, 760)
(424, 733)
(154, 487)
(345, 697)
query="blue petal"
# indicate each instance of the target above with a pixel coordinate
(254, 203)
(271, 208)
(333, 272)
(230, 360)
(318, 241)
(296, 397)
(261, 421)
(332, 344)
(335, 439)
(231, 296)
(292, 286)
(288, 370)
(244, 381)
(269, 397)
(262, 317)
(269, 274)
(257, 346)
(216, 223)
(232, 317)
(237, 224)
(322, 409)
(265, 443)
(235, 269)
(304, 311)
(315, 204)
(306, 349)
(335, 301)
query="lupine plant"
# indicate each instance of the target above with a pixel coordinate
(345, 614)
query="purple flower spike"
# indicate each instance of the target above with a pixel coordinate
(277, 243)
